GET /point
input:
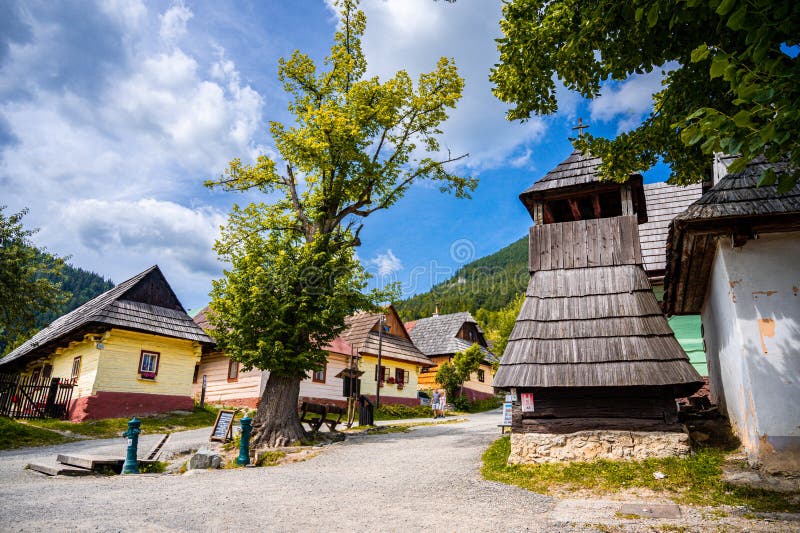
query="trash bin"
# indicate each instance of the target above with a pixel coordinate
(365, 412)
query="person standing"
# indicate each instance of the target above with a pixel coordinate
(442, 403)
(435, 404)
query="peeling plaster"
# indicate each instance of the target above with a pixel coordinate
(763, 293)
(766, 328)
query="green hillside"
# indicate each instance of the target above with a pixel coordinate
(489, 283)
(82, 285)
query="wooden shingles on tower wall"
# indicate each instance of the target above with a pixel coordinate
(590, 318)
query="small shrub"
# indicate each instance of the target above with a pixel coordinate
(487, 404)
(461, 403)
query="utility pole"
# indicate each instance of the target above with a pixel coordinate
(380, 370)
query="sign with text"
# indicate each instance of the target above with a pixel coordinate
(526, 401)
(223, 427)
(507, 406)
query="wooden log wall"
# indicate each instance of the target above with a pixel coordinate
(561, 410)
(585, 243)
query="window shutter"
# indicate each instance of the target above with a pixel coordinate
(376, 372)
(406, 377)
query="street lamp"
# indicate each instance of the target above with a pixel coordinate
(380, 369)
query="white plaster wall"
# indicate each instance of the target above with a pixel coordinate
(751, 321)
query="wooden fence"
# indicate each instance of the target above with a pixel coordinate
(34, 397)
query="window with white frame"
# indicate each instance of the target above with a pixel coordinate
(233, 370)
(148, 365)
(319, 375)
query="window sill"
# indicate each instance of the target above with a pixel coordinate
(233, 380)
(146, 380)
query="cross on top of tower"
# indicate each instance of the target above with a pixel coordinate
(580, 127)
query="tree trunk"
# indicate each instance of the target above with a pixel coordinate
(277, 422)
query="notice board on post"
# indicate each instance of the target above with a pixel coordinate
(223, 426)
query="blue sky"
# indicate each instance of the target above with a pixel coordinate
(114, 112)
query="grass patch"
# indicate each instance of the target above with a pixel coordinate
(156, 467)
(270, 458)
(696, 479)
(14, 434)
(400, 411)
(114, 427)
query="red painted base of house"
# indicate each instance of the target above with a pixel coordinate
(124, 404)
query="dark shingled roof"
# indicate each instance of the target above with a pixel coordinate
(129, 305)
(436, 335)
(590, 318)
(577, 169)
(362, 335)
(735, 205)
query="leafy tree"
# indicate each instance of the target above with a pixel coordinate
(356, 146)
(452, 374)
(732, 84)
(29, 281)
(448, 378)
(466, 363)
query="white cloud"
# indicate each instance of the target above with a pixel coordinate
(628, 101)
(127, 236)
(173, 23)
(386, 263)
(413, 34)
(155, 124)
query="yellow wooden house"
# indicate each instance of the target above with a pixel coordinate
(440, 336)
(130, 351)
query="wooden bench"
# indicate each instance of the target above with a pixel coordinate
(334, 410)
(315, 415)
(307, 412)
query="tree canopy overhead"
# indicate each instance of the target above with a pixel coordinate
(732, 85)
(356, 145)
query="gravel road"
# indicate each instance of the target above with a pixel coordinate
(425, 479)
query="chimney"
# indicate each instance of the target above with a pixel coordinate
(436, 313)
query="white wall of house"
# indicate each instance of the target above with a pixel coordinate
(751, 322)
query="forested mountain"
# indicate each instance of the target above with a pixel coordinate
(489, 283)
(82, 286)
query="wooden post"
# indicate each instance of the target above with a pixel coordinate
(576, 212)
(547, 215)
(596, 205)
(203, 393)
(537, 213)
(627, 202)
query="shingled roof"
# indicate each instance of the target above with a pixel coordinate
(590, 318)
(362, 334)
(735, 206)
(436, 335)
(144, 303)
(664, 202)
(579, 171)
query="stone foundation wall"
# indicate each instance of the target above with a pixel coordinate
(590, 445)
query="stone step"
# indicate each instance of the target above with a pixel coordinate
(58, 470)
(92, 462)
